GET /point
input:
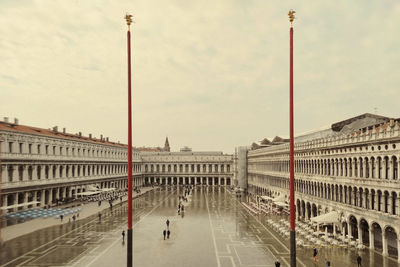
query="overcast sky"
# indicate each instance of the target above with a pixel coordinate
(211, 75)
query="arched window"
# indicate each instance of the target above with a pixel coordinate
(395, 168)
(379, 167)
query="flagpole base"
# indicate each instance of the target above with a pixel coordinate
(129, 249)
(292, 248)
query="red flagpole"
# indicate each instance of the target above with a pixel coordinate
(129, 239)
(292, 206)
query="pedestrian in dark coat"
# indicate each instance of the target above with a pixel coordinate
(168, 233)
(164, 233)
(315, 254)
(277, 264)
(123, 235)
(359, 261)
(167, 222)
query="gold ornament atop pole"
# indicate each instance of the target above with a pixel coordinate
(291, 17)
(128, 19)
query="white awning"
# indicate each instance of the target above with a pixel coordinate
(327, 218)
(107, 189)
(266, 198)
(281, 204)
(20, 205)
(280, 198)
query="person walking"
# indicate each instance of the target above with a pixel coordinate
(328, 264)
(359, 261)
(61, 217)
(277, 264)
(99, 217)
(167, 222)
(123, 236)
(164, 233)
(168, 233)
(315, 254)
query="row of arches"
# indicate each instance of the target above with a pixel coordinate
(36, 172)
(379, 167)
(366, 197)
(187, 168)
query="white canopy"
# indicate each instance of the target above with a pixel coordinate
(107, 189)
(20, 205)
(280, 198)
(281, 204)
(266, 197)
(327, 218)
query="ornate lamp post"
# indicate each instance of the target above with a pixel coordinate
(292, 207)
(128, 19)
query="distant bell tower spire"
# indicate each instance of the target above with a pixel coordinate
(166, 146)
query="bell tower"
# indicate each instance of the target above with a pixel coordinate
(166, 145)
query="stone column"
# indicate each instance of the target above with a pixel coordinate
(35, 198)
(383, 173)
(25, 199)
(360, 236)
(375, 168)
(3, 169)
(364, 168)
(398, 248)
(390, 204)
(371, 237)
(50, 196)
(24, 173)
(4, 203)
(42, 198)
(384, 244)
(390, 171)
(349, 232)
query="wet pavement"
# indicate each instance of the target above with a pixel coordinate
(215, 230)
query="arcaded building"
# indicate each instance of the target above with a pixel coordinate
(351, 168)
(47, 165)
(187, 167)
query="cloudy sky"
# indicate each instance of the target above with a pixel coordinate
(211, 75)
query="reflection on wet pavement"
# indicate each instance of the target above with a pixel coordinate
(214, 231)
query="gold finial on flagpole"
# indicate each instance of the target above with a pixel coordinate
(128, 19)
(291, 16)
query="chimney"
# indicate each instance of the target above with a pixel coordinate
(80, 134)
(90, 136)
(5, 119)
(16, 121)
(55, 129)
(107, 139)
(101, 137)
(64, 130)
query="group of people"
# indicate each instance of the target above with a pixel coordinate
(110, 195)
(328, 263)
(184, 198)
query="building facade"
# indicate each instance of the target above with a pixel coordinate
(187, 167)
(351, 168)
(47, 165)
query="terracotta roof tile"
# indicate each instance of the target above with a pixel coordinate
(46, 132)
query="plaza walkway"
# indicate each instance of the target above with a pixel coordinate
(85, 210)
(215, 230)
